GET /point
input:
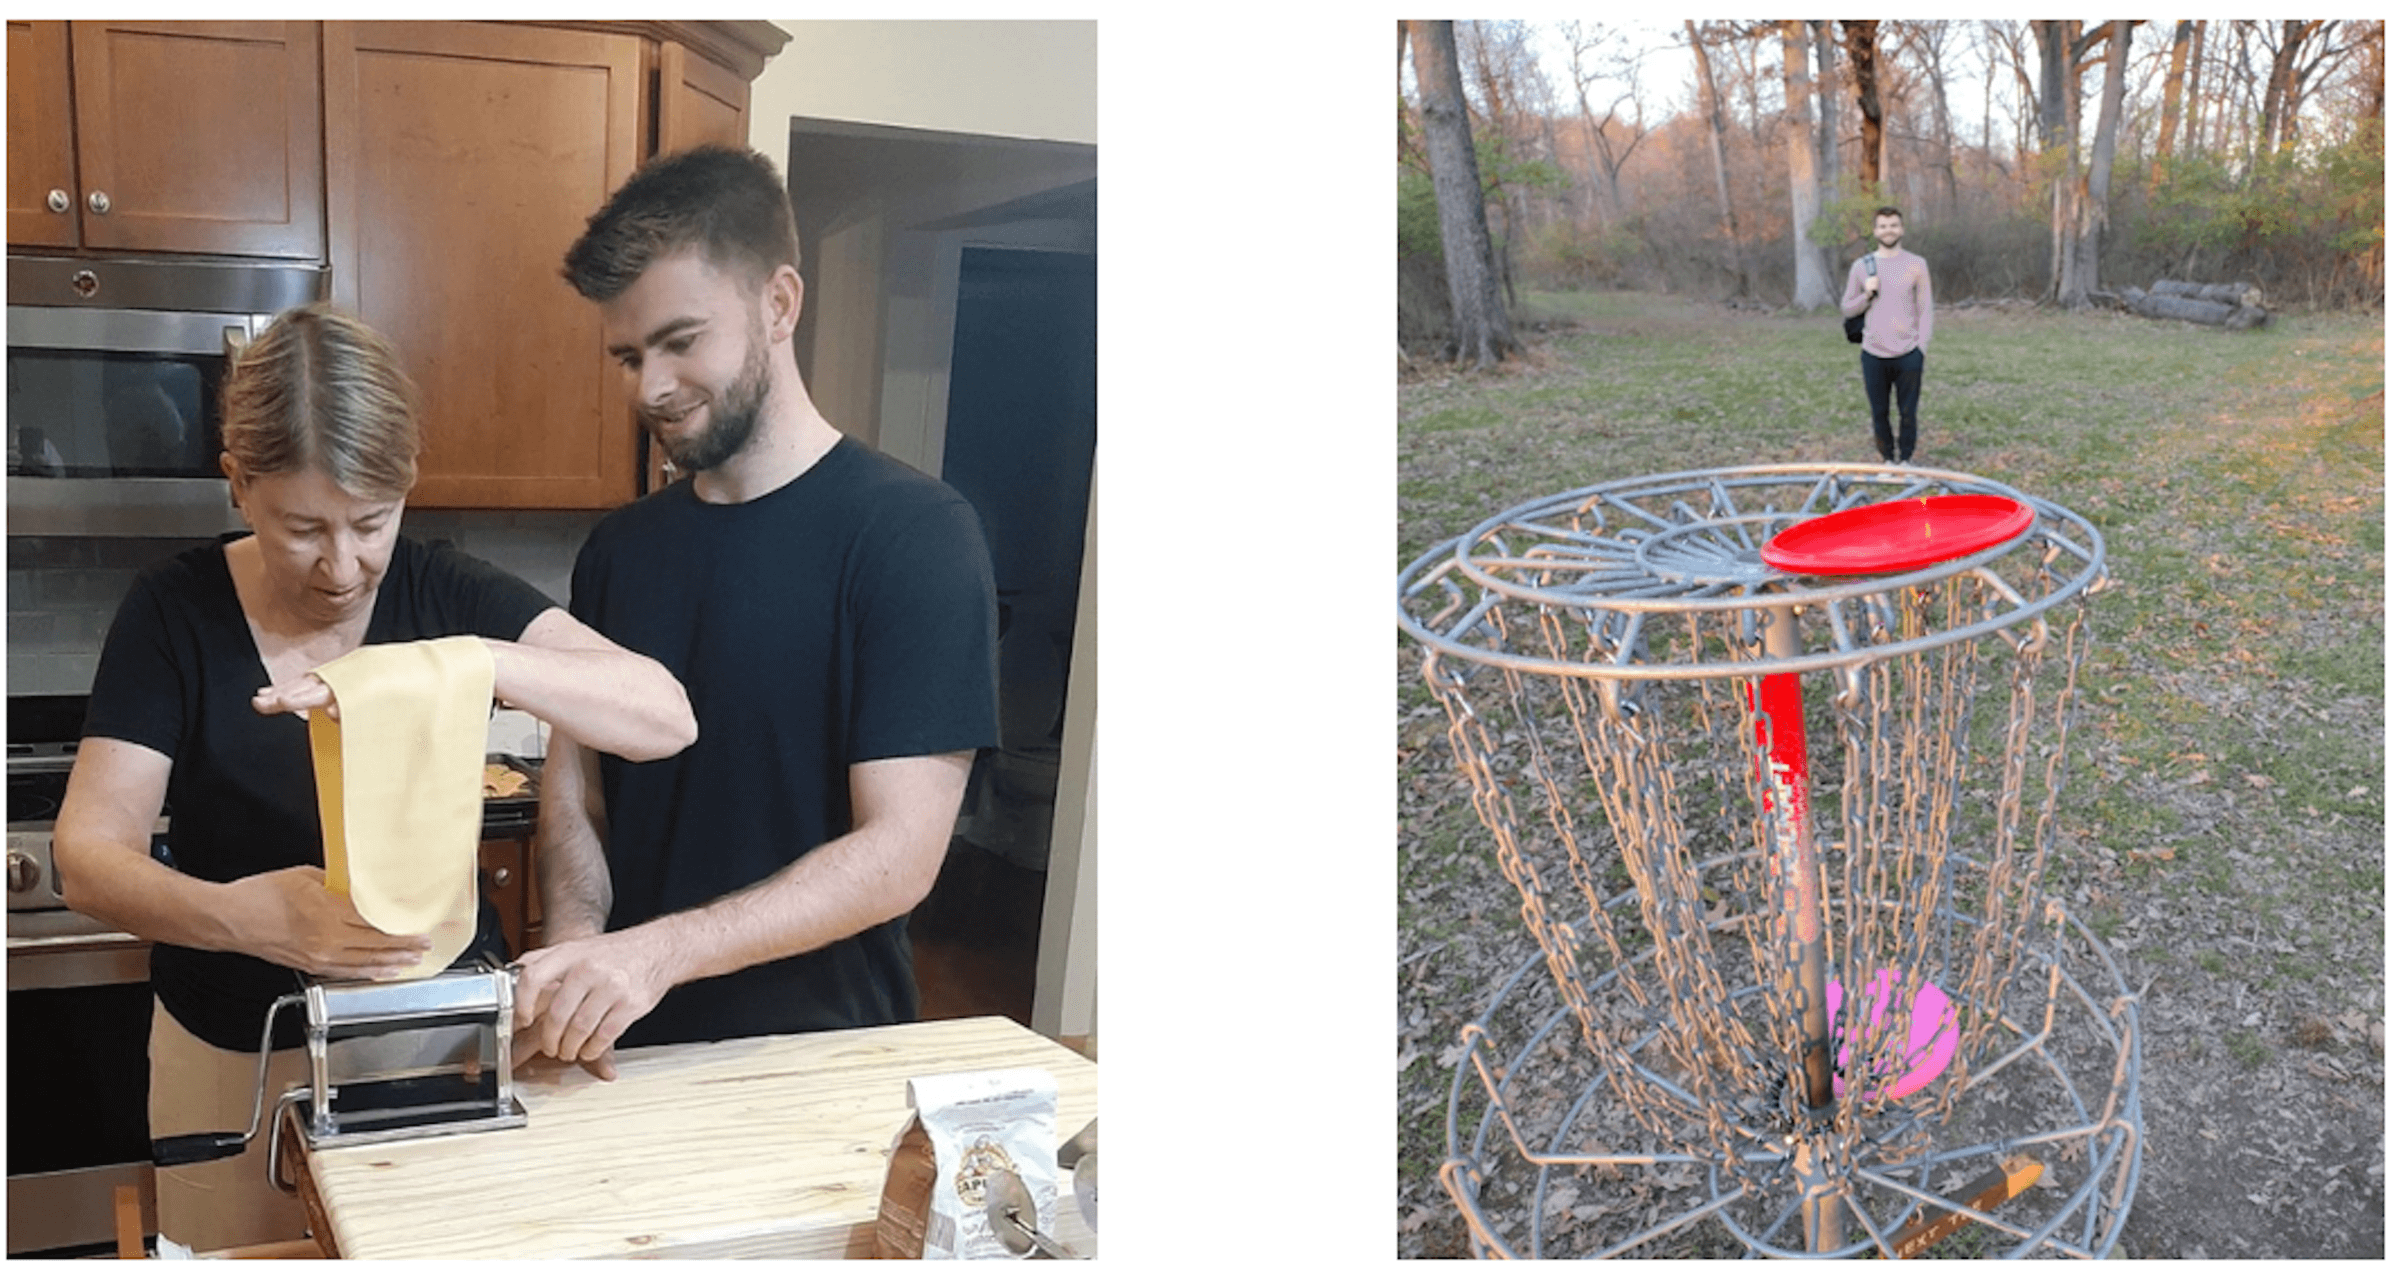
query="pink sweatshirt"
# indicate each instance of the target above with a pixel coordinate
(1902, 316)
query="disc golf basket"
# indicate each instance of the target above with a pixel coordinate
(1828, 1034)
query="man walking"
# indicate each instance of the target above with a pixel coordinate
(1898, 329)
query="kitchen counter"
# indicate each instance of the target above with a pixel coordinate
(770, 1146)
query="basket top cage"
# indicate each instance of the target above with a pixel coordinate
(1621, 555)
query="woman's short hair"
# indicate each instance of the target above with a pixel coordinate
(724, 201)
(321, 389)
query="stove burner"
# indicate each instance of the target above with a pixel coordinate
(35, 798)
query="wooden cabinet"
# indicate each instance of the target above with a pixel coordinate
(506, 864)
(699, 102)
(465, 159)
(41, 137)
(190, 137)
(441, 169)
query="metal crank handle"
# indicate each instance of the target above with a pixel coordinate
(196, 1148)
(199, 1148)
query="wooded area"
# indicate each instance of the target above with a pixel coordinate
(2068, 162)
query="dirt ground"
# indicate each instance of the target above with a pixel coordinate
(2224, 832)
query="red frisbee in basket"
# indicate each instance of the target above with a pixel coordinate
(1894, 537)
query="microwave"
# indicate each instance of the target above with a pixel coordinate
(114, 376)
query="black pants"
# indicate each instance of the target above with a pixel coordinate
(1883, 374)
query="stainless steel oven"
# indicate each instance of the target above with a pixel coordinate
(78, 1020)
(114, 368)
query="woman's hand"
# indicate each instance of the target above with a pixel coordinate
(297, 695)
(294, 921)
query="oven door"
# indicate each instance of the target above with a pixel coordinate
(78, 1088)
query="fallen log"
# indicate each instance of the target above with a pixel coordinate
(2233, 317)
(2237, 294)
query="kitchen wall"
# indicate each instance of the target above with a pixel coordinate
(1010, 79)
(1003, 95)
(62, 592)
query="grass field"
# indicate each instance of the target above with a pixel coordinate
(2224, 813)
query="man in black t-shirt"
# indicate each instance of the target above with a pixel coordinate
(830, 613)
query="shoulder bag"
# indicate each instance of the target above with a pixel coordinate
(1854, 327)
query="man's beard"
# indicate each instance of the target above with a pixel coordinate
(732, 417)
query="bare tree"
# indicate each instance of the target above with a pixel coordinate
(1858, 38)
(1811, 288)
(1829, 109)
(2279, 78)
(2081, 276)
(2191, 127)
(1612, 153)
(1503, 110)
(1927, 40)
(2061, 46)
(1478, 320)
(1711, 107)
(2172, 98)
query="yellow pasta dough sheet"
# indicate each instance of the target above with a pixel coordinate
(400, 786)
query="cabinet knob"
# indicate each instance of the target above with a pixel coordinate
(59, 202)
(98, 202)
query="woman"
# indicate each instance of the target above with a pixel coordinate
(198, 704)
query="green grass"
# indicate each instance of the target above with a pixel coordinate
(2226, 765)
(2247, 1049)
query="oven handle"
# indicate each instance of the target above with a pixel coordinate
(97, 941)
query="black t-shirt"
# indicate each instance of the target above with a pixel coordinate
(845, 617)
(176, 676)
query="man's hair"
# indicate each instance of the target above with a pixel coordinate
(1892, 212)
(321, 389)
(726, 201)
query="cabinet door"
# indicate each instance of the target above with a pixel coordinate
(501, 862)
(200, 137)
(699, 102)
(41, 136)
(465, 159)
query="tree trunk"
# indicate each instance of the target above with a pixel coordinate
(1859, 39)
(2055, 42)
(1811, 288)
(2172, 99)
(1714, 109)
(1829, 109)
(2191, 125)
(2279, 87)
(2084, 277)
(1479, 323)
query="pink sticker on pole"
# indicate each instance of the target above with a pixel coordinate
(1896, 1063)
(1894, 537)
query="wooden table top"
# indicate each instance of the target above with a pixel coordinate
(770, 1146)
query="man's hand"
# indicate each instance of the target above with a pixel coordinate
(1872, 283)
(575, 999)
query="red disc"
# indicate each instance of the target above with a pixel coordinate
(1894, 537)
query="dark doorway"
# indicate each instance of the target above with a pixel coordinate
(1018, 445)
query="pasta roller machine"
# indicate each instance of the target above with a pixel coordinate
(387, 1061)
